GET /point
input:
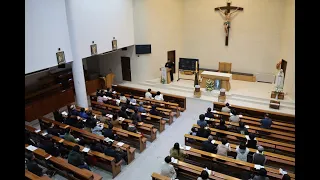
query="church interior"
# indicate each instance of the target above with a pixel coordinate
(160, 89)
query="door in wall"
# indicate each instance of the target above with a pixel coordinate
(126, 68)
(172, 58)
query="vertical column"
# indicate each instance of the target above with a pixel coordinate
(79, 82)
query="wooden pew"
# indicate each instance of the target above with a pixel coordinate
(258, 113)
(193, 171)
(141, 92)
(156, 120)
(263, 142)
(156, 176)
(29, 175)
(129, 150)
(273, 159)
(130, 137)
(143, 127)
(248, 119)
(61, 164)
(162, 104)
(272, 172)
(278, 135)
(114, 167)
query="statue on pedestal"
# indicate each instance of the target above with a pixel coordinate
(279, 81)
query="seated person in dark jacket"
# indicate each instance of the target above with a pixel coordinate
(259, 157)
(201, 121)
(209, 114)
(208, 146)
(33, 167)
(76, 158)
(48, 145)
(242, 129)
(223, 127)
(123, 112)
(54, 131)
(108, 93)
(132, 127)
(203, 132)
(98, 93)
(71, 120)
(57, 116)
(136, 116)
(252, 143)
(97, 146)
(108, 133)
(154, 110)
(262, 175)
(73, 111)
(28, 139)
(117, 154)
(83, 114)
(141, 108)
(266, 122)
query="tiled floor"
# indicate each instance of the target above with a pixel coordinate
(151, 159)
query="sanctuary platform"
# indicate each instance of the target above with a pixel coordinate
(242, 93)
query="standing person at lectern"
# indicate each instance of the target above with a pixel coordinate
(170, 65)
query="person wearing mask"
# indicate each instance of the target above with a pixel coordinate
(132, 127)
(203, 132)
(242, 152)
(234, 117)
(252, 142)
(242, 129)
(223, 127)
(83, 114)
(141, 108)
(223, 148)
(118, 155)
(154, 110)
(68, 136)
(208, 146)
(123, 113)
(209, 113)
(132, 99)
(226, 108)
(259, 157)
(262, 175)
(167, 169)
(100, 98)
(53, 130)
(136, 116)
(48, 145)
(123, 97)
(33, 167)
(176, 152)
(266, 122)
(204, 175)
(159, 96)
(76, 158)
(97, 129)
(201, 121)
(148, 94)
(108, 132)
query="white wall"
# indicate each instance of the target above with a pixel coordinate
(46, 30)
(254, 38)
(288, 47)
(100, 21)
(157, 23)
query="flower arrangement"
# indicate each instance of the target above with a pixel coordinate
(209, 85)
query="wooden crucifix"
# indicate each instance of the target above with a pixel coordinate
(227, 16)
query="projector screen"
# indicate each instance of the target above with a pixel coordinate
(46, 30)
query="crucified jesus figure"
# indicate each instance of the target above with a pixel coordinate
(227, 16)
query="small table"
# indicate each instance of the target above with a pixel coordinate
(224, 77)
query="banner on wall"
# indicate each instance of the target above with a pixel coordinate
(164, 75)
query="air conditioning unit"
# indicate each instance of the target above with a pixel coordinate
(265, 77)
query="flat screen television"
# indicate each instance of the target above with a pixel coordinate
(143, 49)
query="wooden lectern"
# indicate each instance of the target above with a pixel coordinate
(167, 75)
(108, 80)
